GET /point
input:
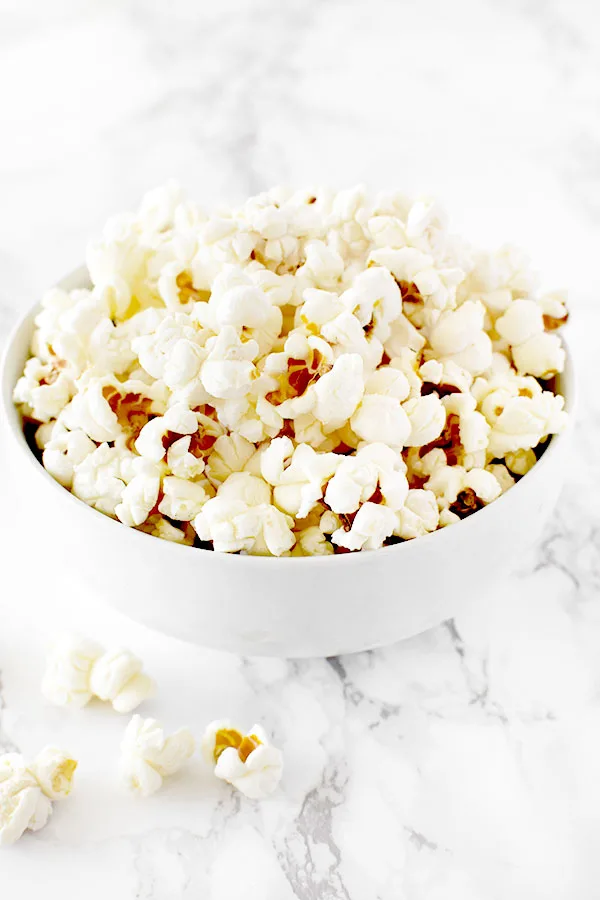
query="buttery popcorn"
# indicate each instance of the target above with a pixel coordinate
(305, 374)
(27, 791)
(249, 762)
(79, 669)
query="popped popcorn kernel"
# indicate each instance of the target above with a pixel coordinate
(249, 761)
(308, 373)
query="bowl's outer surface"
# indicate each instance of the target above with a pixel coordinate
(290, 607)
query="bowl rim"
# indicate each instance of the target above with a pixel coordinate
(12, 418)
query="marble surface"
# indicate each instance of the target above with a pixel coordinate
(461, 764)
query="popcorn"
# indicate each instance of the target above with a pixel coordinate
(79, 669)
(307, 364)
(148, 755)
(427, 418)
(372, 524)
(241, 518)
(98, 479)
(534, 351)
(228, 369)
(358, 477)
(27, 792)
(299, 485)
(418, 516)
(64, 451)
(44, 389)
(177, 419)
(381, 419)
(458, 337)
(183, 499)
(462, 491)
(339, 391)
(249, 762)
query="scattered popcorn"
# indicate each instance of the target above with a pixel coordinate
(148, 755)
(27, 791)
(79, 669)
(249, 762)
(309, 373)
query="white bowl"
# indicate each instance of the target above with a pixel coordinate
(320, 606)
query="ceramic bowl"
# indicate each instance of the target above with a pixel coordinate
(290, 607)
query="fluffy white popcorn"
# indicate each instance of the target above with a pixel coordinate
(298, 475)
(534, 351)
(448, 482)
(228, 369)
(418, 516)
(231, 453)
(148, 755)
(27, 791)
(98, 479)
(173, 352)
(178, 419)
(519, 462)
(139, 497)
(249, 762)
(241, 518)
(375, 300)
(525, 421)
(181, 462)
(459, 337)
(182, 499)
(79, 669)
(372, 524)
(44, 389)
(381, 419)
(339, 391)
(287, 339)
(427, 417)
(64, 451)
(473, 426)
(358, 477)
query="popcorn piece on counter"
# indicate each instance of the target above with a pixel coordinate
(148, 755)
(27, 792)
(79, 669)
(249, 762)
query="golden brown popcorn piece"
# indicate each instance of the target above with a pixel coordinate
(448, 441)
(231, 737)
(187, 291)
(551, 323)
(301, 374)
(467, 502)
(132, 410)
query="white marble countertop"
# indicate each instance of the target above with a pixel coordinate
(464, 763)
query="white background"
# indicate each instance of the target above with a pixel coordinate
(464, 763)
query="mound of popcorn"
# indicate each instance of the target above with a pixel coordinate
(306, 374)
